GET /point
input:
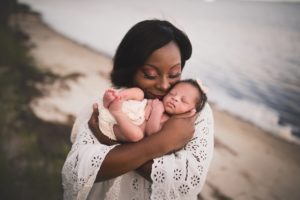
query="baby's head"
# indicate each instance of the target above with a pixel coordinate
(184, 96)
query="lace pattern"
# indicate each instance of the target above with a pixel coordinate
(181, 175)
(83, 161)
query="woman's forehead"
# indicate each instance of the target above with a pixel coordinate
(166, 56)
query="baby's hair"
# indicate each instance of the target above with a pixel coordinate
(202, 96)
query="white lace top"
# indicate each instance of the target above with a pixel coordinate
(179, 175)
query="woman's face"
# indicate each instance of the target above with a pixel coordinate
(161, 70)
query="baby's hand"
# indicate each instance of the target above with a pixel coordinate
(116, 105)
(157, 106)
(109, 96)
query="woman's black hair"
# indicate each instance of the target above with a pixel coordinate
(139, 43)
(202, 95)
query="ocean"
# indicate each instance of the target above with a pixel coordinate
(246, 52)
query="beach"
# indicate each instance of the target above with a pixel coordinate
(248, 163)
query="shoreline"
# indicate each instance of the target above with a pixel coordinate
(292, 140)
(247, 162)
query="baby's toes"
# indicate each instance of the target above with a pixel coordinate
(108, 98)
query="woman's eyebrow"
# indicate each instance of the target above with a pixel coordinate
(157, 68)
(153, 66)
(175, 65)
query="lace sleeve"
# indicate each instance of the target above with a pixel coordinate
(84, 160)
(181, 175)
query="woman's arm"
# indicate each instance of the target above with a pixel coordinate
(130, 156)
(145, 170)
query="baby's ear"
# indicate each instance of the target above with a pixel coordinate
(193, 111)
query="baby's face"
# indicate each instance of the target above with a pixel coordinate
(182, 98)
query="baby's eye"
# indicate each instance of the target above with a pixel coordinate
(184, 100)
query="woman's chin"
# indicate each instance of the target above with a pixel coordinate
(150, 95)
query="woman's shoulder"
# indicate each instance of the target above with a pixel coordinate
(205, 122)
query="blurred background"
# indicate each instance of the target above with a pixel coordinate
(246, 52)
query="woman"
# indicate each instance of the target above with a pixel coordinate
(174, 161)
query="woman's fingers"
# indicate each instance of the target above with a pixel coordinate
(93, 121)
(95, 111)
(188, 114)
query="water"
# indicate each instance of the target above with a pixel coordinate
(247, 52)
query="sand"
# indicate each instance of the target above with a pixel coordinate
(248, 163)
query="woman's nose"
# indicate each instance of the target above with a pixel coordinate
(164, 84)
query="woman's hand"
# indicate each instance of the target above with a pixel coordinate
(187, 114)
(178, 131)
(94, 127)
(93, 121)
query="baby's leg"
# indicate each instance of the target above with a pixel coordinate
(108, 97)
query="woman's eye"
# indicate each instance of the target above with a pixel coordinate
(148, 76)
(174, 75)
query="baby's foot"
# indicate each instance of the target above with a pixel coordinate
(108, 97)
(116, 105)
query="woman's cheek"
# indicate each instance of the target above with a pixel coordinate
(147, 85)
(174, 80)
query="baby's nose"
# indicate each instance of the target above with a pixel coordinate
(175, 98)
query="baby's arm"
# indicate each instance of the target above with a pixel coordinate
(153, 124)
(124, 130)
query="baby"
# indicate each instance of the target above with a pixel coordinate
(126, 116)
